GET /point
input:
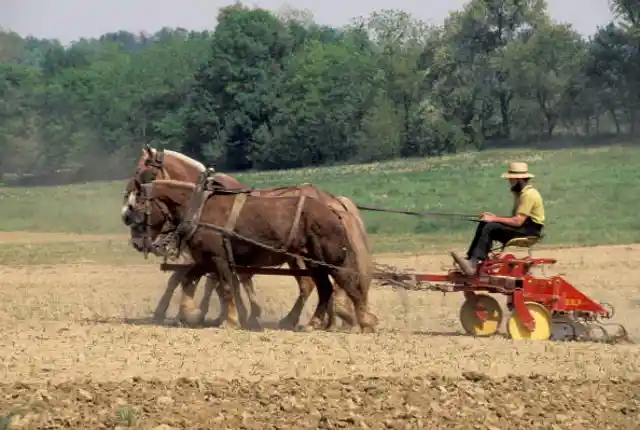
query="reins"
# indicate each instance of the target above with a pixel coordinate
(466, 217)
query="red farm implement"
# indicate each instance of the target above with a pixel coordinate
(541, 307)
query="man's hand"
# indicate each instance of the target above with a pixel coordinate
(487, 217)
(514, 221)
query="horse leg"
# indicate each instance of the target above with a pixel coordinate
(214, 284)
(226, 301)
(228, 289)
(325, 292)
(331, 320)
(161, 309)
(189, 313)
(350, 283)
(305, 286)
(256, 311)
(210, 285)
(342, 307)
(239, 302)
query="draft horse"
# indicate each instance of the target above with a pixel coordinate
(168, 205)
(167, 164)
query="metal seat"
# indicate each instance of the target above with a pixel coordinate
(522, 242)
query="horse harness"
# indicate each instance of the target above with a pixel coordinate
(206, 186)
(158, 163)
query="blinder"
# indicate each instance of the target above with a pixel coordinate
(146, 191)
(145, 196)
(149, 245)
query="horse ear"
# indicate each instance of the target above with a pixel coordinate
(147, 150)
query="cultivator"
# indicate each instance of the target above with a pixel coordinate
(542, 308)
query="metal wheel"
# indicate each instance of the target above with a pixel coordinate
(566, 328)
(596, 332)
(542, 318)
(481, 315)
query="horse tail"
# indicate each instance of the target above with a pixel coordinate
(356, 234)
(351, 208)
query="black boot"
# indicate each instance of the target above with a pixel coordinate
(468, 265)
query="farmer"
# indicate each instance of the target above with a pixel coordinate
(527, 219)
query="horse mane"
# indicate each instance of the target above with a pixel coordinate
(178, 155)
(186, 159)
(228, 181)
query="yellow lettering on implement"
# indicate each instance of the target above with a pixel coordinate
(573, 302)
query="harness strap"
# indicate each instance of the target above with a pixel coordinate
(238, 204)
(195, 206)
(160, 162)
(200, 201)
(296, 221)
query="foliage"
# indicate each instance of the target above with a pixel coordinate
(273, 91)
(573, 182)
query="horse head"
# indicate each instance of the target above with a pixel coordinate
(160, 164)
(133, 189)
(156, 164)
(153, 210)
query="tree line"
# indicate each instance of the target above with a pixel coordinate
(266, 90)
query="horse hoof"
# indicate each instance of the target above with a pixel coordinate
(305, 328)
(191, 319)
(229, 325)
(285, 324)
(215, 323)
(370, 320)
(254, 325)
(368, 329)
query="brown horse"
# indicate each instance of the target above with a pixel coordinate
(317, 234)
(173, 165)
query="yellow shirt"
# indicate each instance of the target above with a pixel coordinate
(529, 203)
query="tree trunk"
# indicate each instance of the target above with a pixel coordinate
(614, 117)
(504, 112)
(550, 127)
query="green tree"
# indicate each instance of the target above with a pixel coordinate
(325, 95)
(234, 94)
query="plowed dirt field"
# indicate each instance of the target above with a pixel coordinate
(79, 351)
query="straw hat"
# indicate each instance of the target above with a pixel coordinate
(518, 170)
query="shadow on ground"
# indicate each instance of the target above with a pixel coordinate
(265, 325)
(172, 322)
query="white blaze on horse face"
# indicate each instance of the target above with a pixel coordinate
(131, 201)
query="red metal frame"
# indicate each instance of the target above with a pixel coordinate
(499, 274)
(506, 274)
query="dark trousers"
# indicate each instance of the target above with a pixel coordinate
(488, 232)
